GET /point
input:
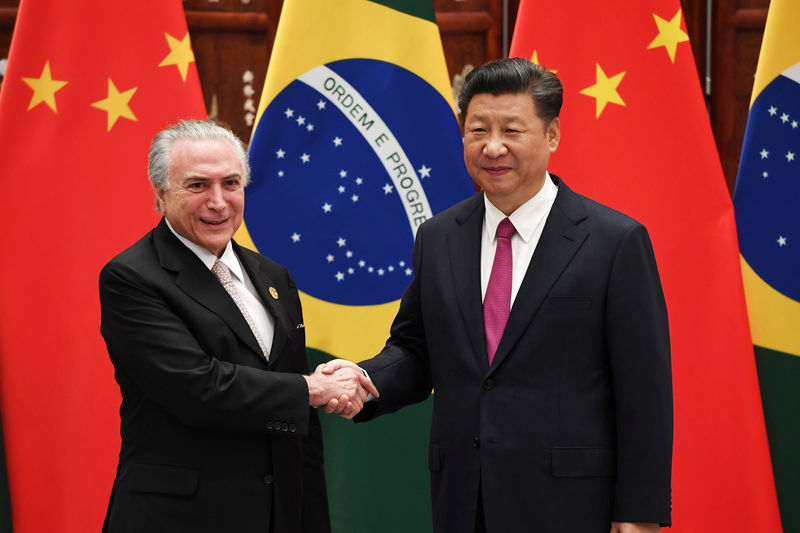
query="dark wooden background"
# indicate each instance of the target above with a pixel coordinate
(230, 38)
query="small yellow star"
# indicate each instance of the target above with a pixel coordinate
(116, 104)
(180, 54)
(44, 88)
(535, 59)
(605, 90)
(669, 34)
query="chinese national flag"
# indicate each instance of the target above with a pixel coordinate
(86, 87)
(636, 136)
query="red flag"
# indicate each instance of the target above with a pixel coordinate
(636, 136)
(87, 86)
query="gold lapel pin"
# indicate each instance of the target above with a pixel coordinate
(273, 292)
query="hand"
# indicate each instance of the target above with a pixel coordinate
(343, 391)
(335, 405)
(634, 527)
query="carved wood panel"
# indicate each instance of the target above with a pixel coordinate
(738, 27)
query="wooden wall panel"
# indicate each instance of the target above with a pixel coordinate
(738, 27)
(8, 15)
(695, 15)
(471, 33)
(232, 40)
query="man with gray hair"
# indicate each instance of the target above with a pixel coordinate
(219, 430)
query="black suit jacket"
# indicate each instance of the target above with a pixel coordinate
(571, 425)
(213, 438)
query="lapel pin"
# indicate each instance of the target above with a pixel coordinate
(273, 292)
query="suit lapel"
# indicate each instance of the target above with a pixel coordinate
(562, 236)
(260, 276)
(464, 248)
(198, 282)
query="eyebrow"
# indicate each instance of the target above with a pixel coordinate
(204, 178)
(504, 120)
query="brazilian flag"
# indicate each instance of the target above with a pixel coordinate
(356, 144)
(767, 204)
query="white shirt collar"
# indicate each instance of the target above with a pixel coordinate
(228, 256)
(527, 216)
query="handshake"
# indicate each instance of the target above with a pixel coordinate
(340, 387)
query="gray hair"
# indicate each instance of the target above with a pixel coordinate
(160, 157)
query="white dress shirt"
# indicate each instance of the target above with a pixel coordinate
(528, 220)
(258, 312)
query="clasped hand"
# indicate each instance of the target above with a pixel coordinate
(340, 387)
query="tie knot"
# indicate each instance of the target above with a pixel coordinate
(222, 272)
(505, 229)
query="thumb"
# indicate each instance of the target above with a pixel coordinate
(331, 366)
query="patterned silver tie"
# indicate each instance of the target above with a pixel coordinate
(223, 273)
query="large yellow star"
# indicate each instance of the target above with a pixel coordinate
(669, 34)
(116, 104)
(44, 88)
(605, 90)
(180, 54)
(535, 60)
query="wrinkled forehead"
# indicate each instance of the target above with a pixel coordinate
(211, 157)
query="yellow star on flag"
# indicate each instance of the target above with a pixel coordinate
(605, 90)
(180, 54)
(44, 88)
(535, 59)
(116, 104)
(669, 34)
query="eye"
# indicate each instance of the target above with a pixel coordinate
(196, 186)
(232, 184)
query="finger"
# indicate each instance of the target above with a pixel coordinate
(344, 400)
(362, 395)
(350, 411)
(369, 386)
(331, 406)
(326, 368)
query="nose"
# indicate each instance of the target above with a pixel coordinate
(216, 197)
(494, 147)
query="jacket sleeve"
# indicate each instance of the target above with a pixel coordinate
(154, 351)
(401, 372)
(315, 514)
(637, 333)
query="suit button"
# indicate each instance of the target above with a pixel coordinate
(285, 427)
(476, 442)
(488, 384)
(292, 428)
(268, 479)
(270, 425)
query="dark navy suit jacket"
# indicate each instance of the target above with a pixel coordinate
(571, 425)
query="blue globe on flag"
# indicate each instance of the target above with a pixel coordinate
(768, 185)
(345, 169)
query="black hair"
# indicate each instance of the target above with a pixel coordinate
(514, 76)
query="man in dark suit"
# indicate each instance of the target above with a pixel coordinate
(208, 346)
(538, 318)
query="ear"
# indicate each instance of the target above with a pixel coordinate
(160, 193)
(553, 134)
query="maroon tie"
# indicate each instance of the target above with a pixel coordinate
(497, 303)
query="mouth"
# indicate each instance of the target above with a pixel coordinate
(497, 170)
(215, 223)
